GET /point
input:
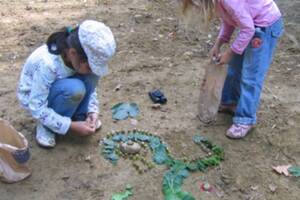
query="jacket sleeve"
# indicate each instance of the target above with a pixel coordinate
(244, 21)
(38, 102)
(93, 103)
(225, 31)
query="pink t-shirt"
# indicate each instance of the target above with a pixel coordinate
(245, 15)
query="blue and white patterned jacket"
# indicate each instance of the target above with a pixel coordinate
(40, 70)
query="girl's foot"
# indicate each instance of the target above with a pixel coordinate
(237, 131)
(228, 109)
(45, 137)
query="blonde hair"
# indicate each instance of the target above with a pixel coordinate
(197, 13)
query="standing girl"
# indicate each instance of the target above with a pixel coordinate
(249, 56)
(59, 79)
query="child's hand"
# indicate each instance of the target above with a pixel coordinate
(214, 53)
(92, 119)
(225, 57)
(82, 128)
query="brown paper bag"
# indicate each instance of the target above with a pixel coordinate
(14, 154)
(211, 92)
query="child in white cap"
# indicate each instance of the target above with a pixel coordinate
(59, 79)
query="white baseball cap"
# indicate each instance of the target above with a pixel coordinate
(98, 43)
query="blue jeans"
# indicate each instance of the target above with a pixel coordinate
(246, 74)
(70, 96)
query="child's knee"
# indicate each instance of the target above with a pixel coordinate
(76, 90)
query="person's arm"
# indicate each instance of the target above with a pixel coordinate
(225, 33)
(244, 21)
(223, 37)
(93, 109)
(38, 105)
(38, 102)
(93, 106)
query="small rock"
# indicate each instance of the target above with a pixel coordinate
(163, 117)
(118, 87)
(272, 188)
(138, 18)
(87, 159)
(172, 35)
(133, 122)
(142, 18)
(156, 106)
(171, 18)
(188, 55)
(130, 147)
(28, 8)
(254, 187)
(179, 73)
(290, 122)
(65, 178)
(220, 194)
(206, 187)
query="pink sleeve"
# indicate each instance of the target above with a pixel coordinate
(226, 31)
(244, 21)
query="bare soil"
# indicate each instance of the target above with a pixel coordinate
(149, 58)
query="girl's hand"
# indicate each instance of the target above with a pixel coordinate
(225, 57)
(82, 128)
(92, 119)
(214, 53)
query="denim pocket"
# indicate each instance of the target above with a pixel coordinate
(277, 28)
(259, 32)
(258, 38)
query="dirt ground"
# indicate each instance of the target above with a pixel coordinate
(148, 58)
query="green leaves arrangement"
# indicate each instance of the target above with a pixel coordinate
(123, 195)
(294, 171)
(178, 169)
(173, 181)
(122, 111)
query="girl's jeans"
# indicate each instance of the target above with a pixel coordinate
(70, 96)
(246, 73)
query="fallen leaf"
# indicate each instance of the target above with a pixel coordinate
(282, 169)
(122, 111)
